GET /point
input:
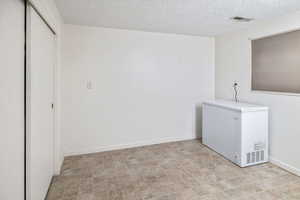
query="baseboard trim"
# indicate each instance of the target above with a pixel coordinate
(285, 166)
(126, 146)
(57, 170)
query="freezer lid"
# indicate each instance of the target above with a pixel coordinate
(238, 106)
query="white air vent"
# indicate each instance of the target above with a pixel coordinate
(255, 156)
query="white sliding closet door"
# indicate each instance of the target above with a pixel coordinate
(11, 100)
(40, 138)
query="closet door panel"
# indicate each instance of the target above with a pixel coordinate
(12, 39)
(41, 96)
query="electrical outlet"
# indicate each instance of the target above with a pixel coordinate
(89, 85)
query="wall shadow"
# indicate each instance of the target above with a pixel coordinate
(198, 120)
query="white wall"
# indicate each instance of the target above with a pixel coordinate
(12, 100)
(233, 63)
(145, 87)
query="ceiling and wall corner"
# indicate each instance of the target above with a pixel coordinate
(192, 17)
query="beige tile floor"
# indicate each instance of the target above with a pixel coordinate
(173, 171)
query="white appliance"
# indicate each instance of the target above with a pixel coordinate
(238, 131)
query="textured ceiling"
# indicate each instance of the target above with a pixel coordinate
(195, 17)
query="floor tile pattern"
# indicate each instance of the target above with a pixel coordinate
(173, 171)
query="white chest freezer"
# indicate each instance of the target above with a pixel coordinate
(238, 131)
